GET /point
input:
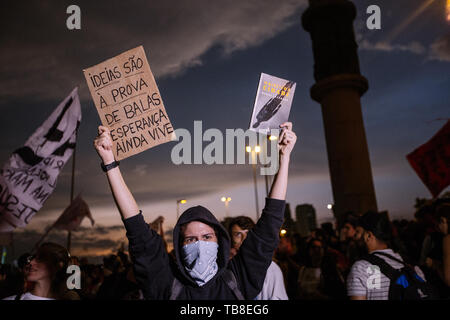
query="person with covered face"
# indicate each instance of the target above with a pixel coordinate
(201, 269)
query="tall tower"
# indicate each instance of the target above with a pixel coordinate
(338, 88)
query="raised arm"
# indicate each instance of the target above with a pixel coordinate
(146, 247)
(286, 144)
(122, 196)
(255, 254)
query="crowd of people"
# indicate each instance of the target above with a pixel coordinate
(332, 263)
(364, 257)
(329, 263)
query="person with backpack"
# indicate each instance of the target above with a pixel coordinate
(383, 274)
(201, 269)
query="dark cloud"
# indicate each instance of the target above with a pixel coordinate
(440, 48)
(41, 57)
(42, 61)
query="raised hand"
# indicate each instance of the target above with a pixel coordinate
(103, 145)
(287, 139)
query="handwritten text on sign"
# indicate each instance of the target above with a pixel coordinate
(129, 103)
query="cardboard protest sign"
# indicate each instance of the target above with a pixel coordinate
(129, 103)
(272, 104)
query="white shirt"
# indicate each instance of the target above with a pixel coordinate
(28, 296)
(273, 288)
(361, 279)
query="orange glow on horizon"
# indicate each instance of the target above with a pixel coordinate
(448, 10)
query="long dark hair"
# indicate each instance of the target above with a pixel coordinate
(56, 259)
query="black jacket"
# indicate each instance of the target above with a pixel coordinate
(155, 271)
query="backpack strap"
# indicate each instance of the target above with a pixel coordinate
(231, 282)
(385, 268)
(392, 258)
(176, 289)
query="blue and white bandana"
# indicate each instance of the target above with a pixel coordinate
(200, 260)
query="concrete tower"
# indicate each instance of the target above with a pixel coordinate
(338, 88)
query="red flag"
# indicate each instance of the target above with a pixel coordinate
(72, 216)
(431, 161)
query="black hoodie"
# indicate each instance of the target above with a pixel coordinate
(155, 271)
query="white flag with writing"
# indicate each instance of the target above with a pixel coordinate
(29, 177)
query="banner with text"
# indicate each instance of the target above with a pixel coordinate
(129, 103)
(29, 177)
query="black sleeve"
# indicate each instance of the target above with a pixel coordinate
(149, 257)
(255, 254)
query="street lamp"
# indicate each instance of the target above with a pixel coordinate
(182, 201)
(226, 200)
(253, 152)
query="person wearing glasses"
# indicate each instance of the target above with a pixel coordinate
(45, 273)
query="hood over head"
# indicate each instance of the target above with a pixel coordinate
(201, 214)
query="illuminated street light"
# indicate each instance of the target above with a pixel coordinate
(182, 201)
(226, 200)
(329, 206)
(283, 232)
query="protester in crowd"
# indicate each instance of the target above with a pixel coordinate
(370, 277)
(334, 268)
(11, 280)
(322, 265)
(46, 271)
(273, 288)
(202, 269)
(348, 243)
(310, 279)
(348, 230)
(444, 220)
(437, 259)
(285, 256)
(91, 279)
(157, 226)
(116, 285)
(422, 236)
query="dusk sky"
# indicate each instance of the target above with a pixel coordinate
(207, 57)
